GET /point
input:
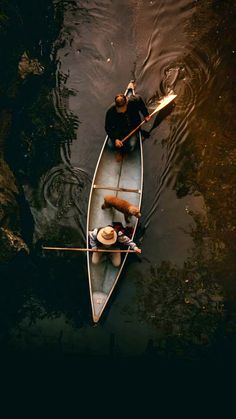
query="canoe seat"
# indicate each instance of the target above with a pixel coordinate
(114, 188)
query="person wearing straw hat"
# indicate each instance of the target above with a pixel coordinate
(107, 237)
(121, 118)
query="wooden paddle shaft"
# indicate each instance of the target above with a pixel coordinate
(159, 107)
(81, 249)
(134, 130)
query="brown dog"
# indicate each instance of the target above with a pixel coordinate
(121, 205)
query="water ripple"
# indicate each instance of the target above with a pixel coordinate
(64, 190)
(191, 79)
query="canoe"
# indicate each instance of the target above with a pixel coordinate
(123, 179)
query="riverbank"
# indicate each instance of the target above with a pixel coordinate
(27, 78)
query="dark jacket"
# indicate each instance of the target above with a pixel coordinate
(118, 125)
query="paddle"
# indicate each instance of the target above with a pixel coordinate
(164, 102)
(81, 249)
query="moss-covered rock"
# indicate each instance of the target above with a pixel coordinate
(11, 241)
(29, 66)
(23, 39)
(11, 244)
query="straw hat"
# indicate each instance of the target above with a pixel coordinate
(107, 235)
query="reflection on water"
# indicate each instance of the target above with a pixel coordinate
(186, 304)
(60, 210)
(178, 298)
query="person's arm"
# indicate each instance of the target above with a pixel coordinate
(142, 107)
(128, 242)
(111, 129)
(109, 125)
(93, 238)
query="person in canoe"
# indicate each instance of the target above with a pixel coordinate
(107, 237)
(121, 118)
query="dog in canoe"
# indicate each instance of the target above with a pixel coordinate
(121, 205)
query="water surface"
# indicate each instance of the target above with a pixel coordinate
(178, 298)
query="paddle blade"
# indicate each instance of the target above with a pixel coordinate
(164, 102)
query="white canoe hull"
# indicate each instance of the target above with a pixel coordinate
(110, 176)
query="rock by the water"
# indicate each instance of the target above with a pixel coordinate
(28, 66)
(11, 241)
(11, 244)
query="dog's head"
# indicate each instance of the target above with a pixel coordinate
(135, 211)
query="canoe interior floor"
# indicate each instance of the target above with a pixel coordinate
(124, 174)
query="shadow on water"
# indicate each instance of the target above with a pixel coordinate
(47, 305)
(161, 116)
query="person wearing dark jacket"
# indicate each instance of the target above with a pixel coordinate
(121, 118)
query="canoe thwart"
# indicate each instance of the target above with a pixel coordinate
(114, 188)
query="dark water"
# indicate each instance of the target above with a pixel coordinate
(177, 300)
